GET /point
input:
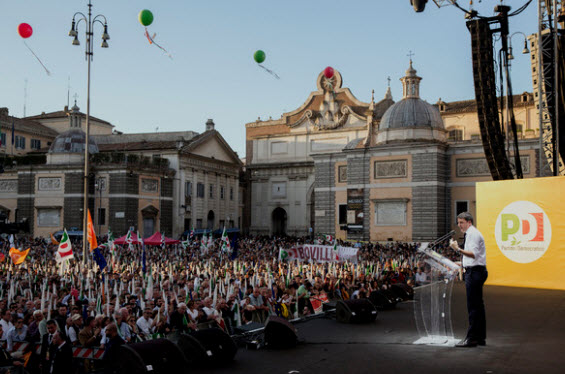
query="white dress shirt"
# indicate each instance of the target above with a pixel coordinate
(475, 243)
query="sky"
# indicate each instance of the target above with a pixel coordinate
(212, 74)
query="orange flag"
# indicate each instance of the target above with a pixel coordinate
(53, 240)
(17, 256)
(91, 235)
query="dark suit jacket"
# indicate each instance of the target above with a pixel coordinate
(62, 361)
(46, 347)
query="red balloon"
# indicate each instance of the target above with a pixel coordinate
(329, 72)
(25, 30)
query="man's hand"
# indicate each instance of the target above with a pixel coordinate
(453, 244)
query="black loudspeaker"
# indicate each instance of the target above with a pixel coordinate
(402, 290)
(157, 356)
(382, 300)
(207, 347)
(248, 327)
(279, 333)
(330, 305)
(355, 311)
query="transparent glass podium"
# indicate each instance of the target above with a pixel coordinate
(432, 301)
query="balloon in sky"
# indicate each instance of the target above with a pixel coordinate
(329, 72)
(145, 17)
(259, 56)
(25, 30)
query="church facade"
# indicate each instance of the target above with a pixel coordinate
(372, 171)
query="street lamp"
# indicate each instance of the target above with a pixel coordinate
(89, 22)
(524, 51)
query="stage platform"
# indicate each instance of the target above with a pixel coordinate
(526, 334)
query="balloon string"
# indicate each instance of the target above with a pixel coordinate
(152, 41)
(33, 53)
(269, 71)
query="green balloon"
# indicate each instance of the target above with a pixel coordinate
(259, 56)
(145, 17)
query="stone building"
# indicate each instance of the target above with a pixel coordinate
(373, 171)
(168, 182)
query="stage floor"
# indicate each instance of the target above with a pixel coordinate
(525, 328)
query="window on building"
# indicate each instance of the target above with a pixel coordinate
(222, 223)
(20, 142)
(342, 216)
(390, 213)
(48, 217)
(476, 137)
(456, 135)
(187, 188)
(200, 190)
(3, 139)
(231, 224)
(211, 192)
(199, 223)
(35, 144)
(460, 207)
(222, 192)
(231, 193)
(101, 216)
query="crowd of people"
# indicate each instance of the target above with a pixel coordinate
(149, 292)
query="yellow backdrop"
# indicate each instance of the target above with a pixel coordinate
(522, 222)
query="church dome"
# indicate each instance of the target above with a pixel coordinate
(411, 112)
(411, 118)
(72, 141)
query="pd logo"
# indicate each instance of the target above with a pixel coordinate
(523, 232)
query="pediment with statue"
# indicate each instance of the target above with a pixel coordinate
(330, 107)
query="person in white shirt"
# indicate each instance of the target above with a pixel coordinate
(6, 323)
(18, 333)
(421, 277)
(475, 264)
(145, 324)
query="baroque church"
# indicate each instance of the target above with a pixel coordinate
(380, 171)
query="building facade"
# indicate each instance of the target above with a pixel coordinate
(168, 182)
(373, 171)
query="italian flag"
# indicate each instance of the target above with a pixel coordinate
(225, 242)
(336, 251)
(65, 251)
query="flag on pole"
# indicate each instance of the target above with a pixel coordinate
(90, 234)
(65, 251)
(99, 258)
(53, 240)
(225, 242)
(191, 235)
(163, 241)
(185, 243)
(17, 256)
(203, 243)
(129, 239)
(336, 251)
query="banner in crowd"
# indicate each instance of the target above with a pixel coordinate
(319, 253)
(521, 221)
(318, 302)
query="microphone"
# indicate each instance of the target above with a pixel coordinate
(442, 238)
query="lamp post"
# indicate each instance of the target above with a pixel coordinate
(524, 51)
(89, 22)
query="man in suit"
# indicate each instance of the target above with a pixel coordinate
(47, 346)
(62, 361)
